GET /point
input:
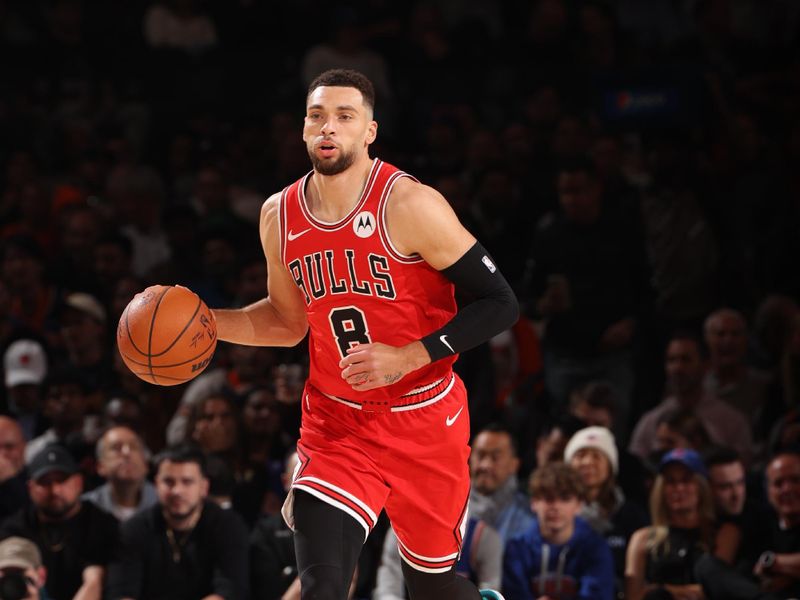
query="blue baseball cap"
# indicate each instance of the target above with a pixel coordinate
(688, 458)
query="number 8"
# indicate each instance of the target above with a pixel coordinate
(349, 327)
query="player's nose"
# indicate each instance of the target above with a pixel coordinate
(328, 127)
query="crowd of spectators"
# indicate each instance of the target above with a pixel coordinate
(633, 167)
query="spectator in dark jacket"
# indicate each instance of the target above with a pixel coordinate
(184, 548)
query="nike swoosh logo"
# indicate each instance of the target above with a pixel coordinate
(293, 236)
(443, 339)
(450, 420)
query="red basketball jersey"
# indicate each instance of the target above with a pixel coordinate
(358, 288)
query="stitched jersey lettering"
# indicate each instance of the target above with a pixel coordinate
(343, 272)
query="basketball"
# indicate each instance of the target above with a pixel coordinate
(166, 335)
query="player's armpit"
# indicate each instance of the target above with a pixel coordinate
(493, 308)
(280, 318)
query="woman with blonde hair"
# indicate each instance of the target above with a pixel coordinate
(661, 558)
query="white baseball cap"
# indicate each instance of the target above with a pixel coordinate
(24, 362)
(20, 553)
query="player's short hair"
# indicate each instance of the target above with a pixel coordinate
(346, 78)
(556, 480)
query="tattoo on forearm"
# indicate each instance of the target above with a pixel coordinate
(393, 377)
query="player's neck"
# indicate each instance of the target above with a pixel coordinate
(332, 197)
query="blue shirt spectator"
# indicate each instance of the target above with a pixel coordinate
(559, 556)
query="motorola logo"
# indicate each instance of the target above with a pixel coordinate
(364, 224)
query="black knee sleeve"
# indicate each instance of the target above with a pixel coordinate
(327, 543)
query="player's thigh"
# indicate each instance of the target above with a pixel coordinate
(429, 482)
(336, 461)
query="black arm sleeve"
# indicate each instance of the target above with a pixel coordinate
(494, 307)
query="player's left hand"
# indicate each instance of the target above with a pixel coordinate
(370, 366)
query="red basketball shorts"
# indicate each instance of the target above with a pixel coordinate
(413, 461)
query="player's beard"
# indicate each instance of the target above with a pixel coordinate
(326, 167)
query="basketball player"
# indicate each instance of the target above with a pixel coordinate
(367, 258)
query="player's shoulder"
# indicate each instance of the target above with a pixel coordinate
(269, 222)
(270, 208)
(272, 203)
(409, 194)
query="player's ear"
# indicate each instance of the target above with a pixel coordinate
(372, 132)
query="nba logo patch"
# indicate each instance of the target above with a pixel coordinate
(364, 224)
(489, 264)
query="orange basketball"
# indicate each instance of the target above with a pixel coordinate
(166, 335)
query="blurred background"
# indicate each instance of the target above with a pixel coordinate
(632, 165)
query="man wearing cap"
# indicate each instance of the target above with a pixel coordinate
(20, 559)
(76, 539)
(13, 477)
(25, 368)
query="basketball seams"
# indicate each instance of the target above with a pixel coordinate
(182, 331)
(149, 331)
(150, 334)
(185, 362)
(128, 331)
